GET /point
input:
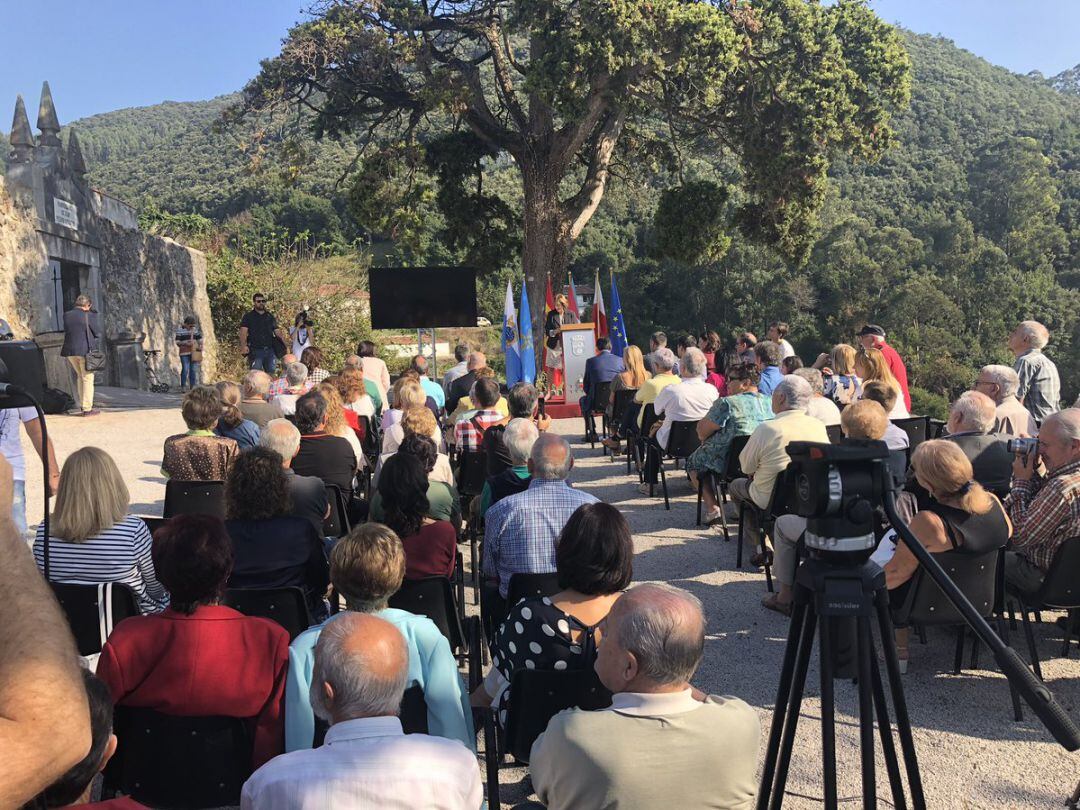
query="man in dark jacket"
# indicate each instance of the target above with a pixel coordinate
(601, 368)
(82, 334)
(463, 385)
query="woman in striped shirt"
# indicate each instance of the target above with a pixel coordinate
(92, 537)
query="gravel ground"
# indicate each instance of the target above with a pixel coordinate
(972, 754)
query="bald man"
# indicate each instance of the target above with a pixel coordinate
(360, 674)
(662, 743)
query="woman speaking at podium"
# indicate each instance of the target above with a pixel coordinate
(556, 319)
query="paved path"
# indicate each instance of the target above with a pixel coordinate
(972, 753)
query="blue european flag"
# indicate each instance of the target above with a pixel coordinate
(616, 323)
(525, 338)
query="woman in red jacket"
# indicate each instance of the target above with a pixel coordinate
(199, 658)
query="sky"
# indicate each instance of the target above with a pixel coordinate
(102, 55)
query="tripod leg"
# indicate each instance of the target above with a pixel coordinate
(896, 687)
(866, 715)
(888, 748)
(1003, 632)
(1032, 649)
(828, 715)
(791, 714)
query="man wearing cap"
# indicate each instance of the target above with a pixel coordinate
(872, 336)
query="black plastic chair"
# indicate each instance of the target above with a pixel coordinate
(1060, 590)
(434, 597)
(601, 393)
(835, 433)
(88, 612)
(371, 447)
(548, 693)
(641, 440)
(471, 474)
(153, 523)
(623, 398)
(522, 585)
(413, 716)
(682, 441)
(337, 523)
(179, 762)
(779, 504)
(732, 472)
(917, 429)
(194, 498)
(286, 606)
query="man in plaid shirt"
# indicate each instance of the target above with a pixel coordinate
(1045, 511)
(468, 433)
(521, 530)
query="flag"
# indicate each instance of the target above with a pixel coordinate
(618, 325)
(510, 345)
(599, 316)
(549, 306)
(572, 296)
(525, 338)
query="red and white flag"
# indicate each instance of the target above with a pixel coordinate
(599, 313)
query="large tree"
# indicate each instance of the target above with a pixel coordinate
(569, 89)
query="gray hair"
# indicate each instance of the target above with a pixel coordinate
(256, 384)
(551, 458)
(664, 627)
(476, 360)
(1037, 335)
(281, 436)
(795, 392)
(295, 373)
(522, 399)
(359, 688)
(354, 361)
(83, 301)
(664, 358)
(976, 411)
(1067, 421)
(1005, 377)
(812, 376)
(693, 364)
(520, 436)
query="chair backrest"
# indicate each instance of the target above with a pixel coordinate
(432, 597)
(917, 429)
(93, 610)
(183, 762)
(601, 395)
(974, 574)
(540, 695)
(286, 606)
(734, 470)
(522, 585)
(782, 500)
(414, 716)
(369, 444)
(1061, 587)
(153, 523)
(195, 498)
(648, 416)
(683, 439)
(835, 434)
(472, 473)
(623, 398)
(337, 523)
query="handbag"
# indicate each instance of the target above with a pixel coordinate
(94, 359)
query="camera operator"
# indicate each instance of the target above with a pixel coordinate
(302, 332)
(1045, 510)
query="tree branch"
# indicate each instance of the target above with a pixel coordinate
(580, 208)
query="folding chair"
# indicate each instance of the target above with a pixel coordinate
(371, 446)
(337, 523)
(194, 498)
(732, 472)
(493, 611)
(917, 429)
(434, 597)
(623, 398)
(93, 610)
(286, 606)
(648, 418)
(601, 393)
(1060, 590)
(835, 433)
(779, 504)
(471, 477)
(682, 441)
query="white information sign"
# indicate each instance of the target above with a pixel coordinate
(66, 214)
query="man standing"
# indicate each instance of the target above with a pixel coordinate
(461, 352)
(258, 328)
(872, 336)
(767, 359)
(431, 388)
(778, 332)
(600, 368)
(1001, 383)
(661, 743)
(1040, 387)
(463, 385)
(82, 335)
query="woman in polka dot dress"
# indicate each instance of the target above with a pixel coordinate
(594, 561)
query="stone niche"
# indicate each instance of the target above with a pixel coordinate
(60, 238)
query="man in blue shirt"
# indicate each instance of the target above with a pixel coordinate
(601, 368)
(431, 388)
(767, 356)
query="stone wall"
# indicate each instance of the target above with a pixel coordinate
(22, 255)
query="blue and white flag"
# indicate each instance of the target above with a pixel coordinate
(616, 323)
(510, 345)
(528, 354)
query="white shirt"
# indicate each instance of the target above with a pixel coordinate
(786, 349)
(825, 409)
(11, 420)
(363, 406)
(653, 704)
(685, 401)
(369, 763)
(395, 435)
(442, 471)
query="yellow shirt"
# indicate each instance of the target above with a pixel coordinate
(649, 390)
(765, 455)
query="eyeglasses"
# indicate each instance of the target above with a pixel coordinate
(985, 382)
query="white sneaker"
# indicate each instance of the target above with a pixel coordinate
(713, 516)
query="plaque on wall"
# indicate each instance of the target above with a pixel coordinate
(66, 214)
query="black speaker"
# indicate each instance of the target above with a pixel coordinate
(25, 366)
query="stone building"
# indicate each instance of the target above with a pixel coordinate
(60, 238)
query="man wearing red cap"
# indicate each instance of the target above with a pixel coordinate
(872, 336)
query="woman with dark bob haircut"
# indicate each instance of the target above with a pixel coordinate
(273, 548)
(594, 559)
(430, 545)
(199, 658)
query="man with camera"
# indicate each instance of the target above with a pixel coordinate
(1044, 509)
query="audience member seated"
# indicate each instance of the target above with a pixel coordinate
(631, 378)
(254, 405)
(662, 743)
(594, 559)
(374, 368)
(1001, 383)
(354, 395)
(466, 408)
(518, 437)
(887, 396)
(662, 363)
(737, 414)
(1040, 386)
(960, 514)
(360, 672)
(92, 538)
(307, 493)
(971, 419)
(337, 424)
(657, 341)
(272, 548)
(420, 422)
(279, 385)
(821, 407)
(459, 369)
(469, 433)
(232, 424)
(199, 455)
(522, 403)
(419, 364)
(791, 364)
(406, 394)
(199, 658)
(297, 384)
(521, 530)
(1044, 508)
(767, 358)
(378, 398)
(312, 358)
(687, 401)
(442, 495)
(744, 345)
(367, 567)
(765, 456)
(709, 342)
(871, 367)
(461, 386)
(601, 368)
(842, 384)
(861, 420)
(430, 545)
(330, 458)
